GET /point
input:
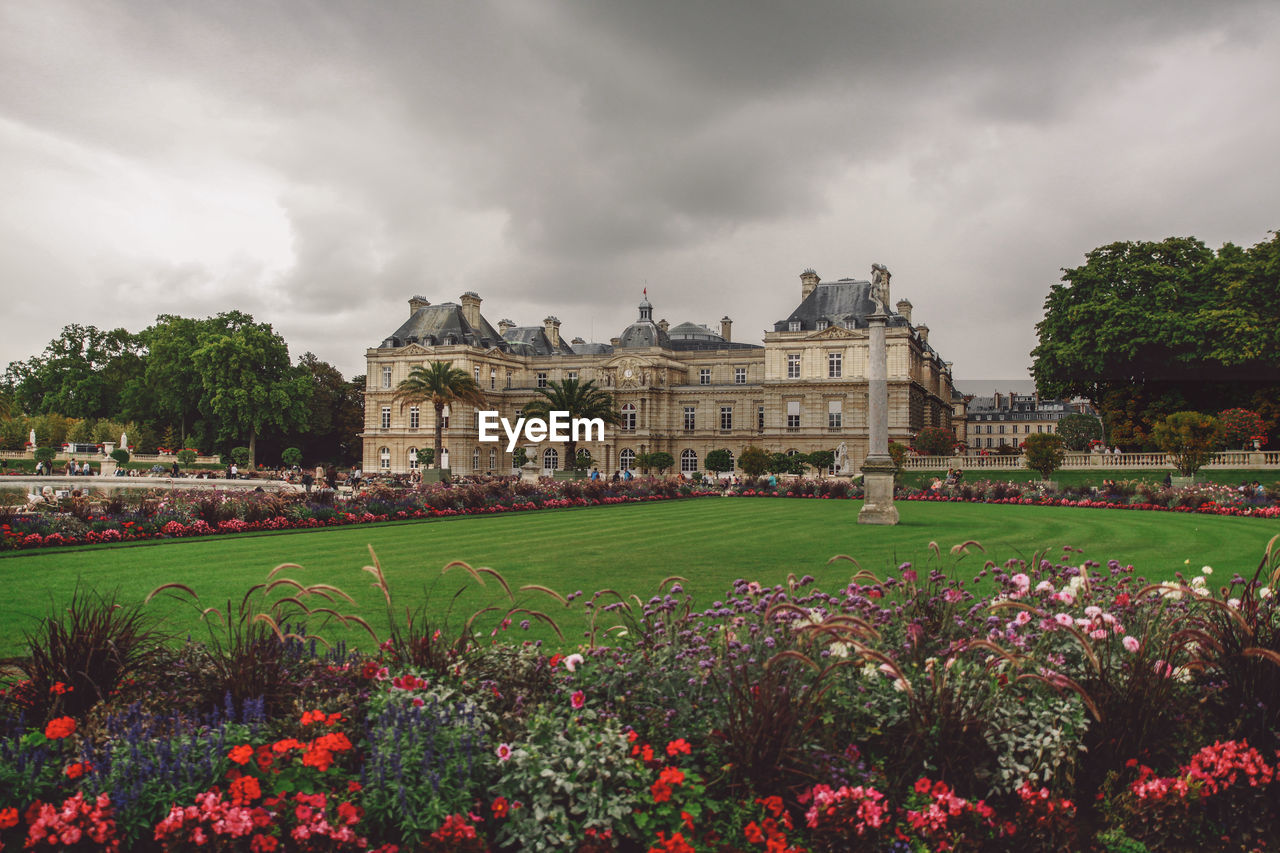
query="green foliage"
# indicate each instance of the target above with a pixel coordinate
(582, 460)
(45, 454)
(1145, 329)
(659, 461)
(898, 452)
(754, 461)
(1045, 453)
(519, 456)
(240, 455)
(1078, 429)
(120, 455)
(425, 456)
(1190, 439)
(13, 434)
(822, 459)
(719, 460)
(291, 456)
(570, 775)
(579, 399)
(1240, 427)
(186, 457)
(935, 441)
(80, 373)
(336, 412)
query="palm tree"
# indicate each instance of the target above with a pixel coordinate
(580, 400)
(442, 384)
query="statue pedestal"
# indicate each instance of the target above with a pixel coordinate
(877, 485)
(530, 472)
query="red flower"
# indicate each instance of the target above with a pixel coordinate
(75, 771)
(8, 818)
(500, 807)
(245, 790)
(241, 754)
(59, 728)
(679, 745)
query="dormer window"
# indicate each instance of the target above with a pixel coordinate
(793, 326)
(822, 324)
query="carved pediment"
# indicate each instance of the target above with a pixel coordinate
(831, 333)
(414, 349)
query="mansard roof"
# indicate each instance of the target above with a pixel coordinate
(443, 324)
(533, 340)
(846, 303)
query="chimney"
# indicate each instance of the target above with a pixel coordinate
(577, 342)
(726, 328)
(615, 342)
(471, 308)
(504, 326)
(904, 308)
(416, 302)
(664, 325)
(552, 327)
(808, 283)
(923, 331)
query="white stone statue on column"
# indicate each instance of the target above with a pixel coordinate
(878, 470)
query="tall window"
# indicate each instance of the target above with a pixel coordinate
(835, 365)
(386, 377)
(477, 372)
(444, 418)
(690, 417)
(386, 417)
(508, 378)
(493, 458)
(704, 376)
(542, 379)
(627, 459)
(551, 459)
(572, 374)
(793, 365)
(739, 376)
(793, 326)
(415, 417)
(413, 459)
(384, 458)
(793, 414)
(760, 418)
(475, 460)
(835, 414)
(493, 378)
(726, 417)
(688, 461)
(629, 417)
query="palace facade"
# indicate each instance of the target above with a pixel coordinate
(684, 389)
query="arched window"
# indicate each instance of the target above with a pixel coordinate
(551, 459)
(627, 459)
(629, 417)
(688, 461)
(384, 458)
(475, 460)
(413, 459)
(493, 458)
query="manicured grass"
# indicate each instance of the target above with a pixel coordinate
(630, 548)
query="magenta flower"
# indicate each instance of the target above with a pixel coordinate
(504, 751)
(578, 699)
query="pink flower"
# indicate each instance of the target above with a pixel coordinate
(578, 699)
(1131, 644)
(1064, 619)
(572, 661)
(504, 751)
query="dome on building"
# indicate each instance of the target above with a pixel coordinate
(692, 332)
(643, 332)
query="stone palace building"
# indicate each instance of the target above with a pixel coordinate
(684, 389)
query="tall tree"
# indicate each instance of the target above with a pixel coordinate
(336, 412)
(441, 384)
(249, 384)
(79, 374)
(580, 400)
(1148, 328)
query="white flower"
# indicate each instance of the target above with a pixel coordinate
(1264, 592)
(1208, 570)
(1233, 603)
(572, 661)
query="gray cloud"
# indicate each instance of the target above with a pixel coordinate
(318, 163)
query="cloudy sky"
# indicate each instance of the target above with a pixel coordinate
(317, 163)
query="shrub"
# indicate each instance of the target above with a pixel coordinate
(186, 457)
(753, 461)
(1044, 453)
(240, 455)
(1190, 439)
(1240, 427)
(291, 456)
(1078, 430)
(935, 441)
(121, 456)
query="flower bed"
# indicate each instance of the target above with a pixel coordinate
(1041, 706)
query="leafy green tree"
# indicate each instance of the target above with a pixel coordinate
(822, 460)
(291, 456)
(1045, 453)
(441, 384)
(580, 400)
(79, 374)
(1078, 429)
(1240, 427)
(935, 441)
(186, 456)
(13, 434)
(45, 454)
(170, 392)
(1190, 439)
(1145, 329)
(240, 455)
(519, 456)
(753, 461)
(718, 461)
(120, 455)
(582, 459)
(336, 414)
(249, 384)
(659, 461)
(425, 457)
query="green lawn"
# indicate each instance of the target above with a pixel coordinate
(628, 547)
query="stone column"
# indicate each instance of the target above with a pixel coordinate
(878, 470)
